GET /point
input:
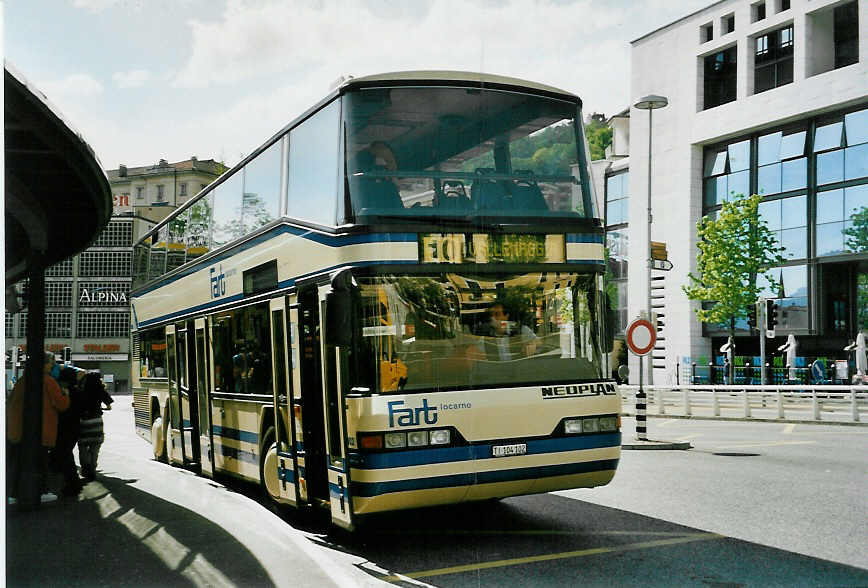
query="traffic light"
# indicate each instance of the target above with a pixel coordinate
(771, 315)
(67, 354)
(751, 317)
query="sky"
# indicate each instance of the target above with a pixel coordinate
(145, 80)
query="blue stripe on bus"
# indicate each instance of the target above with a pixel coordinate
(324, 239)
(587, 261)
(585, 238)
(286, 474)
(237, 434)
(450, 454)
(237, 454)
(283, 284)
(370, 489)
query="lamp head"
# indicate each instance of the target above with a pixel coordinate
(651, 102)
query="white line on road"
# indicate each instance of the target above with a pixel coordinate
(789, 428)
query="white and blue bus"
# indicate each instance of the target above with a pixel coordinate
(397, 301)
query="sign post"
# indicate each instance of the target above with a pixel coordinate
(641, 338)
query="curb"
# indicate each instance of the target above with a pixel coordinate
(749, 419)
(652, 444)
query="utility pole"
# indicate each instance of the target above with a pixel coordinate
(761, 328)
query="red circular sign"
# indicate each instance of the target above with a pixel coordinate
(641, 337)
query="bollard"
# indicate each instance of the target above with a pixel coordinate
(780, 400)
(710, 373)
(854, 408)
(746, 404)
(660, 408)
(715, 405)
(685, 398)
(693, 373)
(815, 404)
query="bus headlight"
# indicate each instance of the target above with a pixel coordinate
(608, 424)
(590, 425)
(572, 426)
(396, 440)
(417, 438)
(439, 437)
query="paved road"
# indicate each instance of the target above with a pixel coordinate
(793, 514)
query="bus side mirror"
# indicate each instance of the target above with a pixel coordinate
(339, 308)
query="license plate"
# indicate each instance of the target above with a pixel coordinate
(507, 450)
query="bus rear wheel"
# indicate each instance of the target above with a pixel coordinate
(158, 439)
(268, 463)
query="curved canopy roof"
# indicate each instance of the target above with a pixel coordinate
(58, 198)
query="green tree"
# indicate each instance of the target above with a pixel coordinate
(599, 136)
(734, 250)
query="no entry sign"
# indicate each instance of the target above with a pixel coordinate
(641, 337)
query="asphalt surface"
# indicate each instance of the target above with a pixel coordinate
(754, 504)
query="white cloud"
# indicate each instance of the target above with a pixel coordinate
(131, 79)
(73, 86)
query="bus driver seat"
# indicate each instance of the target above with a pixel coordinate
(373, 192)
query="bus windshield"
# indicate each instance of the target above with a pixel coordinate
(462, 152)
(452, 331)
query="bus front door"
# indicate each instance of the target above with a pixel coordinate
(335, 430)
(203, 387)
(279, 468)
(174, 451)
(313, 483)
(189, 400)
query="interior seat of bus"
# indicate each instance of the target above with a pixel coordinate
(376, 192)
(488, 193)
(452, 196)
(523, 194)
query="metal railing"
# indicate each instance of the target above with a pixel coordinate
(750, 374)
(785, 402)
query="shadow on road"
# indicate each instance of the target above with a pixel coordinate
(551, 540)
(114, 535)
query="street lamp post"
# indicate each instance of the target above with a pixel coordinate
(650, 103)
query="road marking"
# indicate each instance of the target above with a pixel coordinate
(529, 532)
(769, 444)
(667, 422)
(789, 428)
(555, 556)
(689, 437)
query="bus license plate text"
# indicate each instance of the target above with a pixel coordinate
(507, 450)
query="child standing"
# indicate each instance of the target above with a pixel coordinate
(91, 435)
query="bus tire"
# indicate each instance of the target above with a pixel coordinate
(268, 467)
(158, 439)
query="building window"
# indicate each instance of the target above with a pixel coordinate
(103, 324)
(773, 60)
(846, 34)
(783, 5)
(183, 189)
(161, 193)
(62, 269)
(58, 294)
(617, 245)
(758, 11)
(22, 324)
(706, 33)
(719, 80)
(9, 323)
(140, 192)
(116, 234)
(727, 173)
(58, 324)
(781, 162)
(105, 263)
(617, 198)
(727, 24)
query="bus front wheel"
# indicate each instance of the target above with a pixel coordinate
(158, 439)
(268, 467)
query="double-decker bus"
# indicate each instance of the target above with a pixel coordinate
(396, 301)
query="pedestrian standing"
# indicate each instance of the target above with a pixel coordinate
(54, 402)
(91, 433)
(62, 460)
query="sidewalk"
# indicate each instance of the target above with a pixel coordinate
(143, 523)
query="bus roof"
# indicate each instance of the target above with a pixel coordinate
(433, 75)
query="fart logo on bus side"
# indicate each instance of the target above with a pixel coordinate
(218, 282)
(551, 392)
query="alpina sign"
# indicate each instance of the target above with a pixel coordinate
(102, 297)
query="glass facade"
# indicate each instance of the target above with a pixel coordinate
(617, 198)
(813, 177)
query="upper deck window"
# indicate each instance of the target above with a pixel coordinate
(461, 152)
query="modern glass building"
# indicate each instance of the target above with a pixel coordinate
(765, 98)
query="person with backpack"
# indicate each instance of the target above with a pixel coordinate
(91, 435)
